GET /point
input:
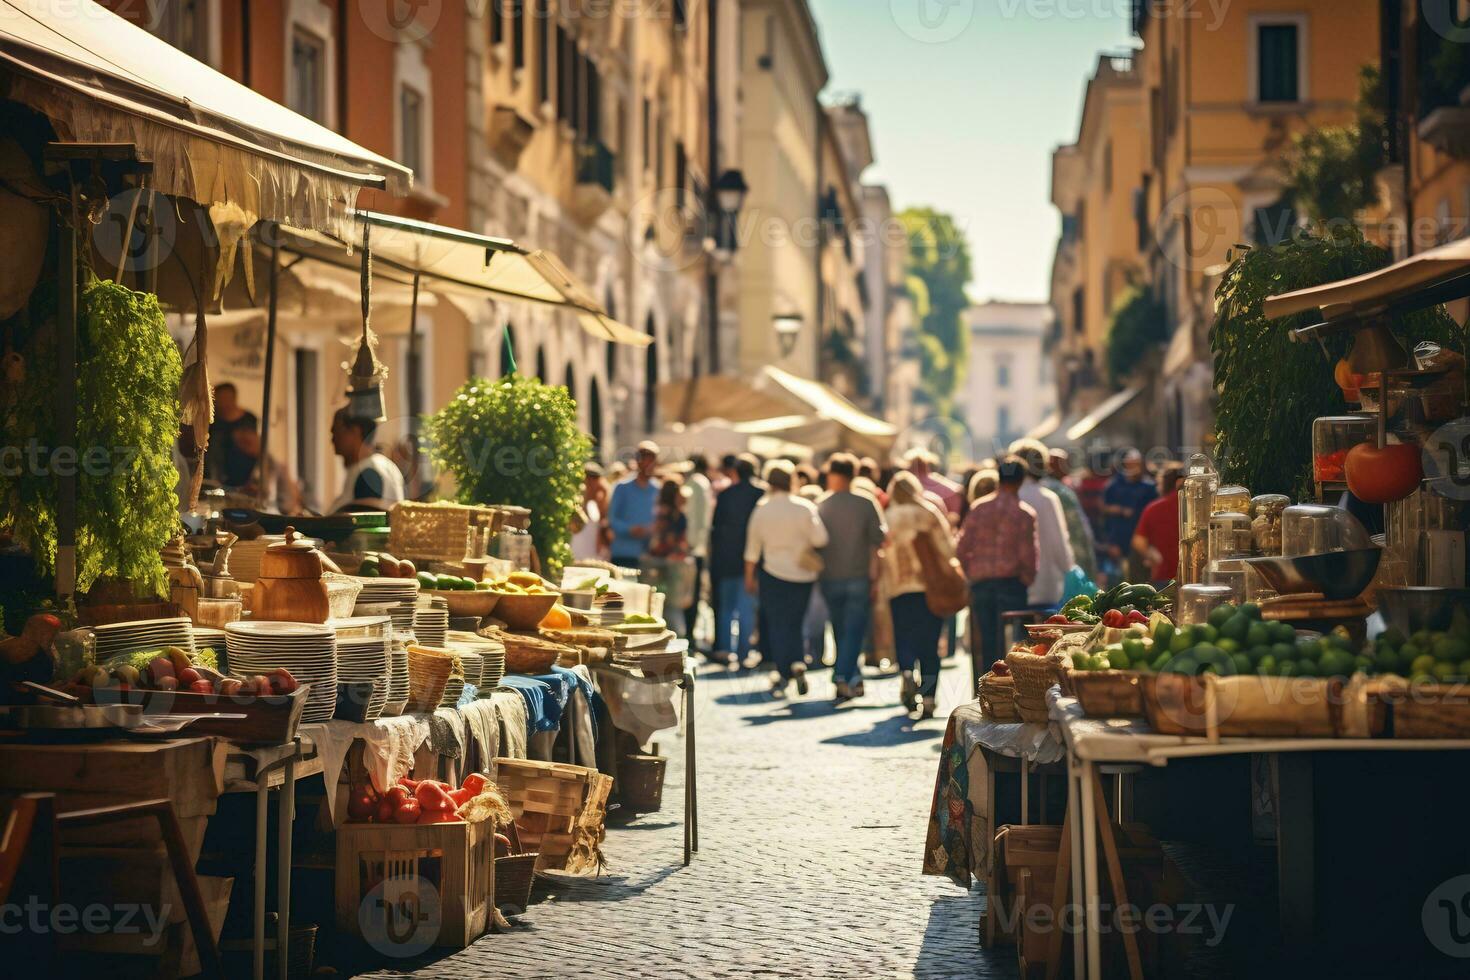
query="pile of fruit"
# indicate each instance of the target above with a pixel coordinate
(1237, 641)
(430, 582)
(413, 801)
(384, 565)
(519, 583)
(1426, 657)
(173, 669)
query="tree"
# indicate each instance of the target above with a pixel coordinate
(1139, 324)
(939, 259)
(1332, 173)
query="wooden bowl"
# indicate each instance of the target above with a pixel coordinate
(477, 603)
(523, 612)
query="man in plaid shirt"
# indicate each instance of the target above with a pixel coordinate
(998, 549)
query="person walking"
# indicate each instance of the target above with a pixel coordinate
(630, 512)
(922, 464)
(668, 552)
(1156, 539)
(1079, 528)
(587, 525)
(728, 527)
(998, 548)
(1056, 556)
(916, 630)
(781, 564)
(699, 502)
(1128, 493)
(855, 532)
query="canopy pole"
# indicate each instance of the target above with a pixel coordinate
(415, 380)
(66, 394)
(273, 294)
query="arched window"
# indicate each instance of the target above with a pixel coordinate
(594, 416)
(571, 381)
(650, 376)
(611, 353)
(508, 350)
(541, 363)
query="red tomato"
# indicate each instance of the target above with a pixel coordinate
(433, 796)
(1114, 619)
(386, 809)
(461, 797)
(412, 784)
(361, 805)
(1381, 476)
(398, 794)
(1059, 620)
(1136, 616)
(408, 812)
(475, 782)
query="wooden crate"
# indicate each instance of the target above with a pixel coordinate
(555, 806)
(1273, 707)
(1429, 710)
(1107, 693)
(453, 864)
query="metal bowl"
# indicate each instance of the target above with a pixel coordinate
(1335, 575)
(1413, 609)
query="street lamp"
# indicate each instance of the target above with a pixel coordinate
(788, 329)
(730, 192)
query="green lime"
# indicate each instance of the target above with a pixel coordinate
(1251, 611)
(1410, 652)
(1242, 663)
(1282, 632)
(1184, 665)
(1308, 649)
(1236, 628)
(1290, 669)
(1206, 633)
(1257, 654)
(1118, 660)
(1161, 663)
(1229, 645)
(1362, 664)
(1183, 640)
(1392, 637)
(1443, 670)
(1423, 664)
(1267, 667)
(1221, 615)
(1284, 651)
(1386, 661)
(1163, 634)
(1259, 635)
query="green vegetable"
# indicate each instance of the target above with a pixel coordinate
(516, 441)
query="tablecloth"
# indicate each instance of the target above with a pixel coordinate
(510, 712)
(545, 698)
(389, 745)
(639, 708)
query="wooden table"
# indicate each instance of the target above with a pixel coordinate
(685, 682)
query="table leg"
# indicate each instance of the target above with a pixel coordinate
(1041, 802)
(1025, 792)
(1089, 872)
(286, 817)
(1074, 823)
(257, 946)
(1295, 846)
(692, 761)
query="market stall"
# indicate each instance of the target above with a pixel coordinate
(1309, 636)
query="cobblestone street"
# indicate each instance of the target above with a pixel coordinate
(812, 823)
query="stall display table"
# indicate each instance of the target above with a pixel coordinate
(1092, 743)
(611, 676)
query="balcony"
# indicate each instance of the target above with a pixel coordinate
(596, 180)
(509, 134)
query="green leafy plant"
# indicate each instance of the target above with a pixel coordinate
(1332, 172)
(515, 441)
(128, 370)
(939, 259)
(1270, 387)
(1139, 324)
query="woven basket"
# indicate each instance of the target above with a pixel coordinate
(437, 532)
(526, 654)
(342, 593)
(1106, 693)
(1033, 675)
(998, 698)
(514, 876)
(428, 674)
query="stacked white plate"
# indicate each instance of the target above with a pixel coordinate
(382, 591)
(307, 650)
(397, 698)
(120, 639)
(365, 660)
(431, 626)
(402, 616)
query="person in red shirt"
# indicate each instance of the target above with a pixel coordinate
(1156, 538)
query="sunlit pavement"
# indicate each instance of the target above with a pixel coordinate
(812, 824)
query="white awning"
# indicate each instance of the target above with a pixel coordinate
(1374, 290)
(1050, 424)
(101, 78)
(459, 263)
(1100, 415)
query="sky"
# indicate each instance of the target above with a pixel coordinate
(966, 100)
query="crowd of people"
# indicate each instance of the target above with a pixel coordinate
(782, 551)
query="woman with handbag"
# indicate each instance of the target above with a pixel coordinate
(917, 530)
(781, 564)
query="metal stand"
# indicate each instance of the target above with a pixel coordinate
(266, 762)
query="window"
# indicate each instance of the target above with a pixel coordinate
(541, 363)
(184, 24)
(647, 135)
(681, 175)
(658, 150)
(514, 23)
(563, 68)
(681, 14)
(496, 14)
(308, 94)
(1079, 310)
(1108, 166)
(411, 119)
(1278, 63)
(579, 101)
(1003, 371)
(1003, 423)
(594, 102)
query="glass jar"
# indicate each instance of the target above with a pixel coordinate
(1197, 601)
(1230, 573)
(1332, 437)
(1266, 511)
(1231, 500)
(1313, 529)
(1196, 503)
(1230, 536)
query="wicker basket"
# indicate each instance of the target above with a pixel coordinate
(1175, 704)
(1033, 676)
(342, 593)
(437, 532)
(515, 873)
(428, 674)
(1106, 693)
(528, 654)
(998, 698)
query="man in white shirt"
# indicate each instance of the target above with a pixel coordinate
(1054, 543)
(699, 503)
(781, 564)
(372, 481)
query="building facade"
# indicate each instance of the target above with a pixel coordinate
(1010, 388)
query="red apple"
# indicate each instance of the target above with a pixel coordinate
(201, 686)
(188, 676)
